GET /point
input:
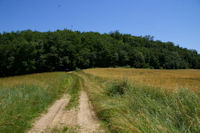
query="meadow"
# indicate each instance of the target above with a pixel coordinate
(124, 99)
(141, 101)
(168, 79)
(23, 98)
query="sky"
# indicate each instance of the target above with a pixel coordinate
(177, 21)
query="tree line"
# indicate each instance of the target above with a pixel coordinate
(24, 52)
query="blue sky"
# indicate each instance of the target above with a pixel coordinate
(167, 20)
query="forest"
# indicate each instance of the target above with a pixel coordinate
(24, 52)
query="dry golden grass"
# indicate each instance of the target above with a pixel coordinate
(40, 79)
(168, 79)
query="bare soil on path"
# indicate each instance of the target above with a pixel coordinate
(86, 116)
(58, 117)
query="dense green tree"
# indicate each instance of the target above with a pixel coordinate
(29, 51)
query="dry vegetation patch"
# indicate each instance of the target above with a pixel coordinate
(170, 79)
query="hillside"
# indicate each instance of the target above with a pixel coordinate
(31, 51)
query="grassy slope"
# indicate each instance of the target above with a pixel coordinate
(143, 109)
(23, 98)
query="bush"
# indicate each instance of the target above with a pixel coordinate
(117, 88)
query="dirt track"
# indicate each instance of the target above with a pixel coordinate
(86, 117)
(57, 116)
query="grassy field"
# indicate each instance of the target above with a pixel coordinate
(23, 98)
(127, 102)
(170, 79)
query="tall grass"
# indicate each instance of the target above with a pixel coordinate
(144, 109)
(23, 98)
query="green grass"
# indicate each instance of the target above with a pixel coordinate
(65, 129)
(143, 109)
(121, 107)
(23, 98)
(74, 92)
(137, 108)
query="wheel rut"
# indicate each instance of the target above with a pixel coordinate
(58, 117)
(86, 116)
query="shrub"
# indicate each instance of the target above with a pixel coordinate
(117, 88)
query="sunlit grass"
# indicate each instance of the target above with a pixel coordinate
(170, 79)
(23, 98)
(149, 100)
(141, 108)
(74, 92)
